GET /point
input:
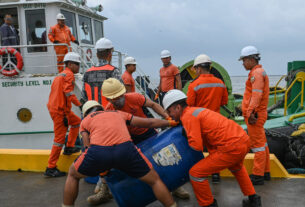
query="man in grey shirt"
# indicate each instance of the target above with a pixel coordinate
(9, 35)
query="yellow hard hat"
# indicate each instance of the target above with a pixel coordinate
(113, 88)
(88, 105)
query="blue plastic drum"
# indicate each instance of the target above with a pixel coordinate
(92, 180)
(170, 156)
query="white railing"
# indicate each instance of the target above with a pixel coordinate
(43, 60)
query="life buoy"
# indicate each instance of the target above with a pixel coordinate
(18, 67)
(89, 54)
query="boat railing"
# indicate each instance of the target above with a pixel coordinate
(144, 84)
(116, 61)
(276, 86)
(301, 93)
(43, 60)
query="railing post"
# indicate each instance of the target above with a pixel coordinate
(302, 97)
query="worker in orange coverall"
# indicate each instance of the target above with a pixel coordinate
(169, 76)
(207, 91)
(254, 108)
(229, 142)
(61, 34)
(59, 106)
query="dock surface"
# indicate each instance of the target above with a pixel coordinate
(33, 189)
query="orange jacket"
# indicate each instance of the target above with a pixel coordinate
(256, 94)
(208, 128)
(207, 91)
(61, 95)
(62, 35)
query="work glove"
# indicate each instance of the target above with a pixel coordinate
(156, 96)
(168, 118)
(66, 122)
(56, 42)
(173, 123)
(252, 119)
(76, 42)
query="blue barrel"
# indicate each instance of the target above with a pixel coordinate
(92, 180)
(170, 156)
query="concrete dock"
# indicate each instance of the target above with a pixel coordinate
(33, 189)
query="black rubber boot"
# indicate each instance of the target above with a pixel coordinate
(53, 172)
(70, 150)
(252, 201)
(215, 178)
(257, 179)
(214, 204)
(267, 176)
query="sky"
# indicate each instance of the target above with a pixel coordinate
(218, 28)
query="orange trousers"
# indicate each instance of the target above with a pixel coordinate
(60, 131)
(259, 146)
(231, 158)
(61, 51)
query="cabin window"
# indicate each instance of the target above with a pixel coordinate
(13, 12)
(36, 29)
(98, 28)
(85, 30)
(70, 22)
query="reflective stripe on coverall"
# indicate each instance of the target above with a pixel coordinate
(63, 35)
(230, 143)
(59, 106)
(208, 92)
(255, 100)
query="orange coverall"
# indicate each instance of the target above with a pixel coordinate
(255, 100)
(59, 106)
(207, 91)
(62, 35)
(229, 142)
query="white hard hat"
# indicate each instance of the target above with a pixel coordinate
(130, 61)
(72, 56)
(60, 16)
(171, 97)
(165, 54)
(88, 105)
(103, 44)
(247, 51)
(202, 59)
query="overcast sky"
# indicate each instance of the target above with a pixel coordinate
(218, 28)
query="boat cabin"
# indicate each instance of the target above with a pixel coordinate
(33, 19)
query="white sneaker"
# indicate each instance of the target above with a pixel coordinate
(181, 193)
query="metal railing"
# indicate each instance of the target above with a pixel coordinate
(301, 93)
(275, 87)
(33, 60)
(144, 84)
(116, 61)
(295, 116)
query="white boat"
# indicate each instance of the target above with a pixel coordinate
(25, 121)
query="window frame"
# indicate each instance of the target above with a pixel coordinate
(28, 35)
(91, 29)
(74, 22)
(102, 26)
